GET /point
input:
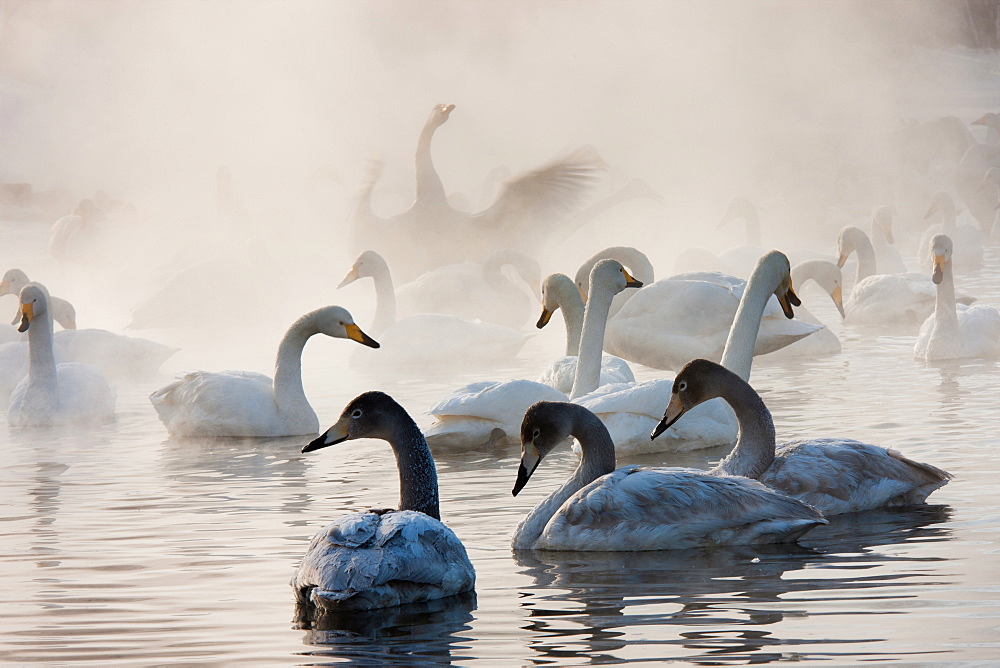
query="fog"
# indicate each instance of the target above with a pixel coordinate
(705, 101)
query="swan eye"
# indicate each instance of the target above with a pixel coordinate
(681, 386)
(536, 433)
(356, 413)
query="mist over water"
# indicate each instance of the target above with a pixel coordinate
(230, 142)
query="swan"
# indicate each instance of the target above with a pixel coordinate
(823, 342)
(74, 235)
(881, 298)
(690, 315)
(834, 475)
(247, 404)
(383, 558)
(54, 394)
(968, 249)
(61, 310)
(635, 508)
(887, 256)
(435, 339)
(632, 258)
(559, 291)
(476, 290)
(954, 331)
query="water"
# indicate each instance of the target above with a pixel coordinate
(123, 545)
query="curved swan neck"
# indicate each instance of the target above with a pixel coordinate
(738, 353)
(568, 298)
(866, 256)
(595, 320)
(288, 391)
(754, 450)
(418, 487)
(525, 267)
(429, 186)
(385, 294)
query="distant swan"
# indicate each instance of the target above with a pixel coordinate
(428, 339)
(824, 342)
(835, 475)
(61, 310)
(954, 330)
(383, 558)
(887, 256)
(247, 404)
(54, 394)
(634, 508)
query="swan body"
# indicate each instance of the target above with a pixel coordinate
(559, 292)
(428, 339)
(61, 310)
(635, 508)
(476, 290)
(955, 330)
(247, 404)
(834, 475)
(384, 558)
(54, 394)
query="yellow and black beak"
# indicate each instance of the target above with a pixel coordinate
(938, 275)
(838, 299)
(352, 276)
(355, 334)
(544, 318)
(530, 459)
(788, 299)
(27, 313)
(338, 433)
(674, 411)
(630, 281)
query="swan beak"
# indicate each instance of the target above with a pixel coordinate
(841, 259)
(630, 281)
(583, 293)
(352, 276)
(27, 313)
(982, 120)
(788, 299)
(887, 228)
(938, 274)
(674, 411)
(530, 459)
(544, 318)
(838, 300)
(335, 434)
(931, 211)
(4, 287)
(355, 334)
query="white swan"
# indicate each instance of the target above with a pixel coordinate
(54, 394)
(476, 290)
(427, 339)
(881, 299)
(559, 291)
(968, 241)
(689, 316)
(383, 558)
(887, 256)
(631, 258)
(955, 331)
(72, 237)
(247, 404)
(634, 508)
(832, 474)
(824, 342)
(61, 310)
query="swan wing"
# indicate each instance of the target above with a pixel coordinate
(219, 403)
(635, 508)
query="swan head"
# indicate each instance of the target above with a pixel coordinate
(941, 249)
(368, 264)
(777, 263)
(440, 113)
(34, 304)
(989, 119)
(696, 383)
(847, 243)
(941, 201)
(612, 276)
(624, 254)
(12, 282)
(826, 274)
(546, 424)
(882, 217)
(369, 415)
(740, 207)
(337, 322)
(555, 288)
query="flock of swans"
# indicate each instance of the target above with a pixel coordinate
(616, 314)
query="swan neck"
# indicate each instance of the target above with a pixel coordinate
(418, 488)
(945, 310)
(41, 356)
(288, 391)
(571, 305)
(866, 258)
(429, 184)
(737, 356)
(754, 450)
(595, 320)
(385, 300)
